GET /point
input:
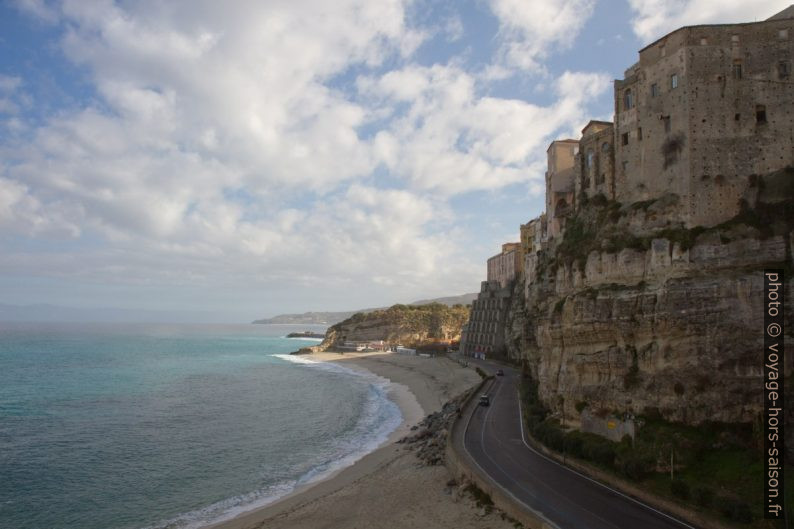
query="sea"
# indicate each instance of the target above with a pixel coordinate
(158, 426)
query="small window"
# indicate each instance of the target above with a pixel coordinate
(704, 41)
(783, 69)
(625, 138)
(760, 114)
(737, 117)
(782, 34)
(628, 99)
(654, 90)
(590, 156)
(667, 124)
(639, 133)
(625, 165)
(662, 51)
(605, 147)
(737, 69)
(734, 39)
(674, 81)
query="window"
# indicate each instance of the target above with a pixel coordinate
(760, 114)
(639, 133)
(628, 99)
(662, 51)
(605, 147)
(782, 34)
(674, 81)
(625, 166)
(704, 41)
(737, 117)
(734, 39)
(667, 124)
(654, 90)
(783, 69)
(625, 138)
(590, 156)
(737, 69)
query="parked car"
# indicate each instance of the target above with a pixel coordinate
(485, 400)
(500, 373)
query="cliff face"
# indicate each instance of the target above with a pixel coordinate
(400, 324)
(629, 313)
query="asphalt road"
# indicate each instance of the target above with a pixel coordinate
(494, 440)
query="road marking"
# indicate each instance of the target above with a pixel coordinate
(544, 456)
(473, 460)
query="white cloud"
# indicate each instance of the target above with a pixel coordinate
(451, 140)
(219, 149)
(655, 18)
(531, 28)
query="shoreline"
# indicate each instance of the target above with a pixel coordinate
(414, 398)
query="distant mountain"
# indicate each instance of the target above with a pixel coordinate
(331, 318)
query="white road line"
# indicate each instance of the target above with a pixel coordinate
(515, 498)
(544, 456)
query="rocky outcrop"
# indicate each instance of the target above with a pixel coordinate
(407, 325)
(626, 316)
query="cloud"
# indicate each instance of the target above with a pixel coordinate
(655, 18)
(220, 146)
(452, 140)
(530, 29)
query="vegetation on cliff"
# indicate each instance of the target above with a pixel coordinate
(408, 325)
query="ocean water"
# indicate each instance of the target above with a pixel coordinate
(170, 426)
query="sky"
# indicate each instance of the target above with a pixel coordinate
(251, 158)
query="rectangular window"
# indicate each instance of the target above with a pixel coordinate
(782, 34)
(704, 41)
(667, 124)
(625, 138)
(783, 70)
(654, 90)
(625, 166)
(760, 114)
(674, 81)
(639, 133)
(737, 69)
(734, 39)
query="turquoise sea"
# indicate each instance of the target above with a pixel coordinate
(170, 426)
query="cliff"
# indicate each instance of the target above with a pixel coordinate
(630, 312)
(331, 318)
(407, 325)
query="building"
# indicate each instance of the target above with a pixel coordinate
(704, 111)
(484, 332)
(594, 170)
(504, 267)
(560, 184)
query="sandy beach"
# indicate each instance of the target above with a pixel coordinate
(390, 487)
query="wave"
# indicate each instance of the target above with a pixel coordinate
(379, 418)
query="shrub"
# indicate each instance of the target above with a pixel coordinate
(580, 406)
(635, 465)
(680, 489)
(704, 496)
(480, 496)
(735, 510)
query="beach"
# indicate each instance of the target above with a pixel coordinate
(390, 487)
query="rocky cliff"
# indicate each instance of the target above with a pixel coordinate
(632, 313)
(407, 325)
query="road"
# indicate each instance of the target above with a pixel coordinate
(494, 440)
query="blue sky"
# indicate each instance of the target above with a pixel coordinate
(255, 158)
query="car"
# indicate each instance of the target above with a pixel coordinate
(500, 373)
(485, 400)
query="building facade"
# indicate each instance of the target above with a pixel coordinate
(506, 266)
(560, 155)
(704, 111)
(484, 332)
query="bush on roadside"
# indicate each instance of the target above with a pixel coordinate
(704, 496)
(736, 510)
(635, 464)
(680, 489)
